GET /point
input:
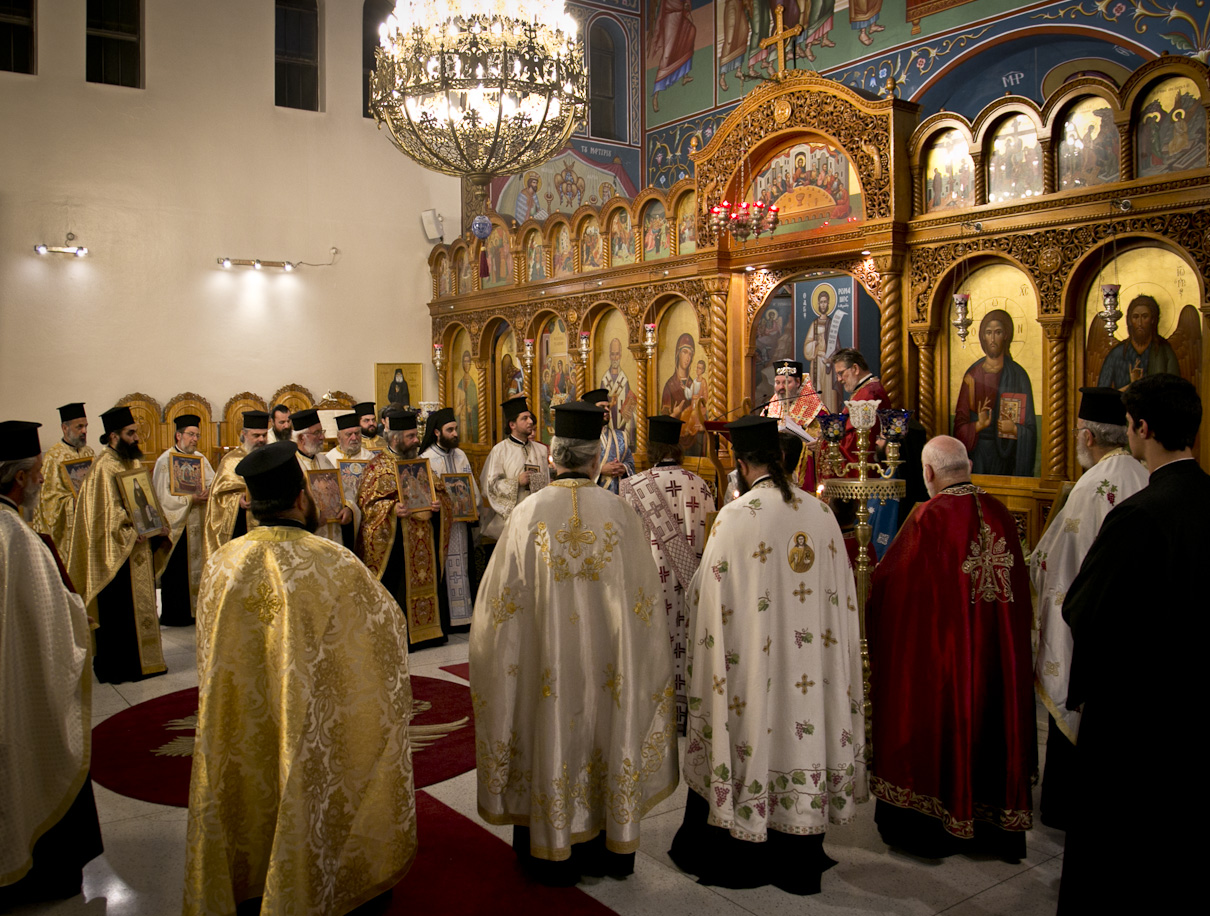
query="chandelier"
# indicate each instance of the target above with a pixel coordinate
(479, 88)
(746, 220)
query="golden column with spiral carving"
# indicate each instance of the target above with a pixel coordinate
(980, 178)
(925, 341)
(890, 347)
(1056, 333)
(1127, 146)
(716, 397)
(1048, 168)
(485, 425)
(639, 352)
(442, 386)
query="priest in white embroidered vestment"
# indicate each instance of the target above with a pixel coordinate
(186, 517)
(440, 447)
(515, 468)
(571, 674)
(776, 736)
(673, 504)
(1111, 474)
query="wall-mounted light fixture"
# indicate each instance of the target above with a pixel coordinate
(260, 264)
(67, 247)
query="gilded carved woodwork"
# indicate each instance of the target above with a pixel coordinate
(926, 395)
(717, 288)
(643, 368)
(1054, 462)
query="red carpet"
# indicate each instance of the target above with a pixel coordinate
(125, 758)
(463, 670)
(461, 869)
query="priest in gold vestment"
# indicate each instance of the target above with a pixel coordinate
(48, 818)
(398, 544)
(371, 431)
(227, 508)
(302, 789)
(57, 500)
(112, 566)
(309, 437)
(185, 515)
(571, 672)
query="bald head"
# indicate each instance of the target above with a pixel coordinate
(946, 463)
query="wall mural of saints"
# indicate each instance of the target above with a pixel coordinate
(1161, 328)
(1015, 169)
(510, 379)
(621, 239)
(1172, 134)
(686, 224)
(465, 272)
(823, 311)
(655, 232)
(681, 373)
(557, 380)
(592, 246)
(995, 413)
(614, 368)
(464, 387)
(1090, 151)
(564, 257)
(950, 173)
(811, 183)
(569, 180)
(496, 259)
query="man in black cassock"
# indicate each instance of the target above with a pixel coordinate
(1137, 617)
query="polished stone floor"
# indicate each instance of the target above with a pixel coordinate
(142, 870)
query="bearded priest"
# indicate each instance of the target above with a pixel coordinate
(227, 514)
(302, 789)
(309, 437)
(112, 566)
(396, 542)
(672, 503)
(776, 735)
(440, 447)
(57, 500)
(571, 673)
(349, 446)
(948, 624)
(515, 469)
(186, 519)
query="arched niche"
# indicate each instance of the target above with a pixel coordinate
(506, 375)
(619, 228)
(807, 318)
(810, 179)
(680, 383)
(613, 366)
(462, 383)
(943, 160)
(554, 375)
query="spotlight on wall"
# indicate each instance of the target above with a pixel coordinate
(287, 266)
(67, 247)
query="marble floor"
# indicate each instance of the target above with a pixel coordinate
(142, 870)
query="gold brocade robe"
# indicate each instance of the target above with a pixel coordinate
(222, 508)
(377, 497)
(374, 443)
(329, 530)
(57, 501)
(302, 787)
(102, 539)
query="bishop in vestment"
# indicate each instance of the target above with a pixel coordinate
(397, 543)
(440, 447)
(57, 500)
(49, 828)
(1137, 598)
(672, 503)
(112, 566)
(302, 790)
(1111, 475)
(776, 735)
(227, 508)
(309, 437)
(186, 519)
(515, 468)
(571, 676)
(948, 623)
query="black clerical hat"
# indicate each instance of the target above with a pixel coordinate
(788, 367)
(256, 419)
(399, 419)
(186, 420)
(117, 419)
(754, 434)
(1102, 405)
(18, 440)
(272, 472)
(513, 408)
(596, 396)
(348, 421)
(663, 429)
(578, 420)
(364, 409)
(438, 418)
(69, 412)
(304, 419)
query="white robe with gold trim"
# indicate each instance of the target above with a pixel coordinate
(184, 515)
(503, 494)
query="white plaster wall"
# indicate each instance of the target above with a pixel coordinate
(159, 182)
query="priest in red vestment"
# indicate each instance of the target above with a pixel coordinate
(853, 372)
(948, 622)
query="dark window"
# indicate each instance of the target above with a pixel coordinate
(17, 36)
(606, 82)
(113, 54)
(373, 14)
(297, 59)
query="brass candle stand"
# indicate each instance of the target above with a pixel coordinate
(874, 480)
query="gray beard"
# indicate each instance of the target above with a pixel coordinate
(413, 452)
(30, 501)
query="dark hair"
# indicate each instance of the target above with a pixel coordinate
(850, 357)
(1006, 322)
(662, 451)
(771, 462)
(1150, 303)
(268, 508)
(1171, 407)
(791, 450)
(280, 408)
